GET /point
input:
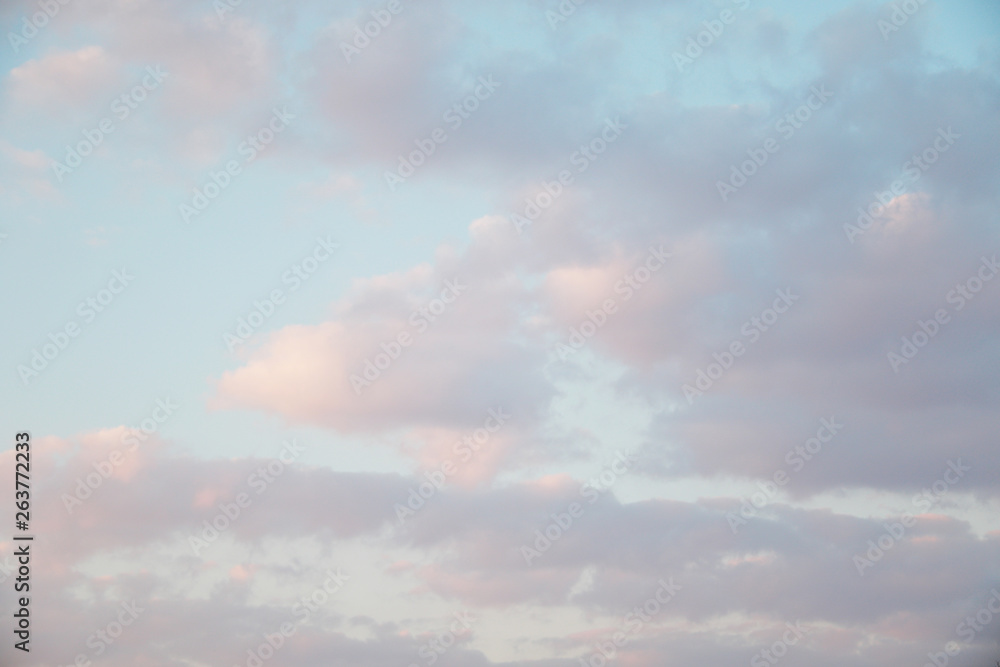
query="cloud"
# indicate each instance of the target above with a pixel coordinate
(63, 79)
(436, 346)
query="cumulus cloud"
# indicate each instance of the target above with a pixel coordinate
(766, 283)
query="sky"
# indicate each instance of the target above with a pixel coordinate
(545, 333)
